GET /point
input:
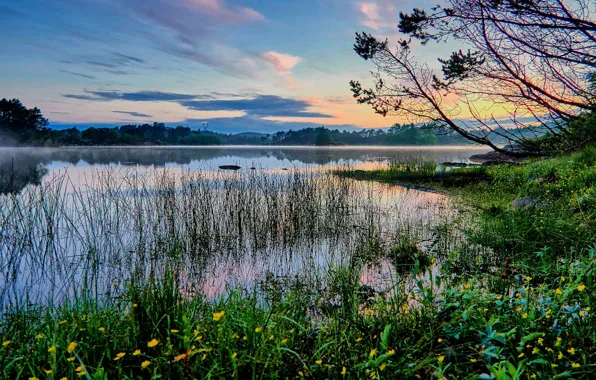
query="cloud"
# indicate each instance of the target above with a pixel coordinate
(219, 11)
(78, 74)
(124, 58)
(283, 63)
(253, 105)
(259, 106)
(139, 96)
(376, 14)
(137, 114)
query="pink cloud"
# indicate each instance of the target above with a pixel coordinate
(282, 63)
(377, 14)
(218, 10)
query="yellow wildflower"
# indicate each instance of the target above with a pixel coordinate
(344, 370)
(284, 341)
(540, 341)
(571, 350)
(71, 347)
(48, 371)
(102, 329)
(258, 329)
(33, 378)
(390, 352)
(145, 364)
(382, 366)
(358, 339)
(71, 359)
(521, 355)
(234, 355)
(218, 316)
(6, 343)
(467, 286)
(560, 356)
(300, 373)
(582, 313)
(174, 331)
(199, 337)
(372, 352)
(137, 352)
(81, 374)
(525, 315)
(439, 340)
(528, 278)
(204, 357)
(559, 291)
(119, 355)
(80, 368)
(562, 278)
(180, 357)
(152, 343)
(441, 358)
(39, 336)
(319, 362)
(575, 365)
(535, 351)
(518, 309)
(581, 287)
(473, 360)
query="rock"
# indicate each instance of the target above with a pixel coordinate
(526, 203)
(495, 158)
(230, 167)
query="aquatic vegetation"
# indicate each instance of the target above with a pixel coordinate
(447, 308)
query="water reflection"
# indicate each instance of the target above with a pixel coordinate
(22, 166)
(96, 217)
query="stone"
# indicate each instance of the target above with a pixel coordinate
(527, 203)
(230, 167)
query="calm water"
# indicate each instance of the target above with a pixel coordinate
(83, 161)
(88, 218)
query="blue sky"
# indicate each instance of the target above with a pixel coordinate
(240, 65)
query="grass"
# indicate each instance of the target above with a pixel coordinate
(519, 328)
(506, 295)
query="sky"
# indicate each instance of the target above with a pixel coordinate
(252, 65)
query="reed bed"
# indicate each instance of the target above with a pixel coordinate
(84, 237)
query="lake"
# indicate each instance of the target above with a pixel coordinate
(85, 221)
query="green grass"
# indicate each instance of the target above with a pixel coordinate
(523, 311)
(566, 184)
(478, 325)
